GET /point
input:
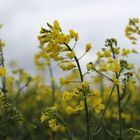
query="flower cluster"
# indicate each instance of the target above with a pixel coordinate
(132, 30)
(50, 116)
(75, 99)
(56, 44)
(108, 61)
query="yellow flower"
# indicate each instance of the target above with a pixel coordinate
(65, 48)
(67, 96)
(58, 128)
(115, 66)
(2, 71)
(106, 53)
(61, 38)
(43, 117)
(84, 84)
(62, 128)
(53, 55)
(130, 85)
(102, 67)
(130, 66)
(70, 110)
(58, 58)
(109, 60)
(130, 73)
(88, 47)
(99, 55)
(73, 34)
(70, 55)
(90, 66)
(70, 66)
(96, 93)
(55, 128)
(63, 67)
(56, 25)
(98, 105)
(116, 50)
(125, 52)
(62, 81)
(52, 123)
(80, 106)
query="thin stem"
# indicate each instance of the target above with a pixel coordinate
(85, 99)
(73, 81)
(119, 99)
(87, 117)
(126, 102)
(102, 86)
(53, 93)
(77, 62)
(103, 75)
(20, 89)
(82, 56)
(65, 124)
(102, 116)
(120, 111)
(74, 45)
(52, 84)
(87, 72)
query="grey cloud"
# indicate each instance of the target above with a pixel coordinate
(94, 20)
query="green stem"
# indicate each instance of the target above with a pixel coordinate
(52, 84)
(102, 116)
(120, 112)
(65, 124)
(20, 89)
(102, 86)
(53, 93)
(103, 74)
(77, 62)
(85, 99)
(81, 56)
(119, 100)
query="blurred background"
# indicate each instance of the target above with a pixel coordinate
(29, 97)
(94, 20)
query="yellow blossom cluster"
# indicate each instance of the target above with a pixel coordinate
(56, 44)
(132, 30)
(48, 116)
(54, 126)
(108, 60)
(75, 99)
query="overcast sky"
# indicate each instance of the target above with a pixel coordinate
(94, 20)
